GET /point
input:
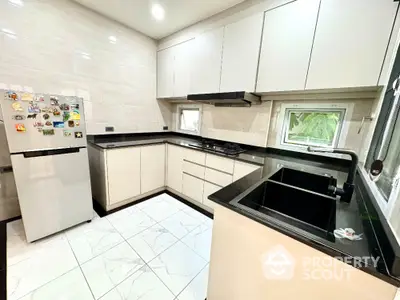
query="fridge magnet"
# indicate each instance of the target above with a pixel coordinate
(77, 123)
(26, 97)
(20, 127)
(56, 112)
(66, 116)
(18, 117)
(71, 124)
(54, 101)
(40, 129)
(32, 116)
(33, 108)
(39, 98)
(67, 133)
(11, 95)
(17, 106)
(48, 131)
(64, 106)
(74, 106)
(38, 124)
(46, 110)
(48, 123)
(78, 135)
(75, 115)
(46, 116)
(58, 124)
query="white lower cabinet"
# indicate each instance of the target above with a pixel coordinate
(209, 189)
(152, 160)
(193, 187)
(242, 169)
(123, 173)
(175, 157)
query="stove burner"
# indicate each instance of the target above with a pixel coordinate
(226, 148)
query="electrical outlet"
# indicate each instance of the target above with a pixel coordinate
(165, 128)
(109, 128)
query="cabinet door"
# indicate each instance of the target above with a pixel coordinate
(182, 68)
(175, 167)
(206, 73)
(152, 167)
(123, 169)
(242, 169)
(350, 43)
(192, 187)
(209, 189)
(165, 73)
(286, 46)
(240, 54)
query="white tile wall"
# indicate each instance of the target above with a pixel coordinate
(60, 47)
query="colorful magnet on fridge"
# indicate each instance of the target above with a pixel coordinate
(33, 116)
(38, 124)
(33, 109)
(18, 117)
(54, 101)
(26, 97)
(74, 106)
(39, 98)
(11, 95)
(58, 124)
(78, 135)
(64, 106)
(48, 131)
(56, 112)
(46, 109)
(20, 127)
(77, 123)
(66, 116)
(71, 123)
(75, 115)
(48, 123)
(17, 106)
(46, 116)
(40, 129)
(67, 133)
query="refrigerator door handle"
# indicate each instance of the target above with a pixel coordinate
(31, 154)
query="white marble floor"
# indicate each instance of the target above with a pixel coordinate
(158, 249)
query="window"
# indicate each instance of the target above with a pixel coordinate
(189, 119)
(315, 127)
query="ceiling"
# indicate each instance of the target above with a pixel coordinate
(178, 13)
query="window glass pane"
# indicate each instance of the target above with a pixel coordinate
(313, 127)
(189, 120)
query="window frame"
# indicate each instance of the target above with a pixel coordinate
(182, 107)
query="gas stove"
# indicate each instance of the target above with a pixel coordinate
(224, 148)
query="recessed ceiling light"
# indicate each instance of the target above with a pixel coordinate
(158, 12)
(112, 39)
(19, 3)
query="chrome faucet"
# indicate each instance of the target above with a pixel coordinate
(348, 187)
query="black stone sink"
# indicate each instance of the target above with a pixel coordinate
(284, 200)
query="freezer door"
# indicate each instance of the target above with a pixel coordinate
(35, 122)
(53, 190)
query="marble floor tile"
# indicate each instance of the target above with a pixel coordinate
(180, 224)
(172, 201)
(195, 214)
(199, 240)
(160, 210)
(107, 270)
(42, 265)
(151, 242)
(197, 288)
(150, 202)
(177, 266)
(91, 239)
(143, 285)
(70, 286)
(130, 221)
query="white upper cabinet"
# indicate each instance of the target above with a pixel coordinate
(182, 68)
(207, 51)
(350, 43)
(241, 48)
(165, 73)
(286, 46)
(152, 161)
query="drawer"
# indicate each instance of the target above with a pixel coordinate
(193, 169)
(195, 156)
(193, 187)
(242, 169)
(220, 163)
(209, 189)
(218, 178)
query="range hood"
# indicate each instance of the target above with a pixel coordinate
(237, 99)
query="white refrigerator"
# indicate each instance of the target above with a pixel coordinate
(47, 142)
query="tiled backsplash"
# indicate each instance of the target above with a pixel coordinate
(59, 47)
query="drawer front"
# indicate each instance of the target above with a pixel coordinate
(242, 169)
(218, 178)
(193, 169)
(220, 163)
(195, 156)
(209, 189)
(193, 187)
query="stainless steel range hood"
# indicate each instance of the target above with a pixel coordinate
(236, 99)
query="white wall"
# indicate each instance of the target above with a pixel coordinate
(48, 51)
